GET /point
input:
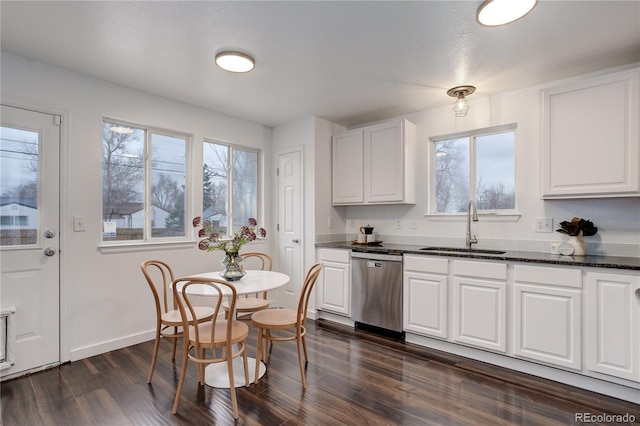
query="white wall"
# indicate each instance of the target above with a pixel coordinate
(617, 219)
(106, 303)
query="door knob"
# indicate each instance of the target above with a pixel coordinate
(295, 240)
(49, 251)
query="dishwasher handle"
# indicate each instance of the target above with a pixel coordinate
(377, 256)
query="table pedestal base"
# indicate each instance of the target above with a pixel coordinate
(216, 375)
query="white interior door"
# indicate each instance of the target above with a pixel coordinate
(29, 241)
(290, 213)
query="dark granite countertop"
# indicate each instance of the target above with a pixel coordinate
(614, 262)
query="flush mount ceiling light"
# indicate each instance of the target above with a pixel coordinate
(235, 61)
(493, 13)
(461, 106)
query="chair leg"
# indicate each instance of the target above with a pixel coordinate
(258, 355)
(200, 352)
(175, 344)
(245, 361)
(304, 346)
(232, 385)
(154, 357)
(183, 373)
(304, 378)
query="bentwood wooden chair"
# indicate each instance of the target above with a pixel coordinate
(228, 334)
(159, 276)
(286, 321)
(250, 303)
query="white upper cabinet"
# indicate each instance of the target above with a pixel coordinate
(590, 143)
(375, 164)
(348, 167)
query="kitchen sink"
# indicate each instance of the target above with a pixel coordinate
(463, 250)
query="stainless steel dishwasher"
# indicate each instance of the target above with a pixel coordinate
(376, 292)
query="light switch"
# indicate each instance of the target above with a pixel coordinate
(543, 224)
(79, 224)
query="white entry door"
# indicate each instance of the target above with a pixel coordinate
(29, 241)
(290, 213)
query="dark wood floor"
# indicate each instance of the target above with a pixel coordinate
(355, 378)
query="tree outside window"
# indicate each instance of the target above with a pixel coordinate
(478, 167)
(136, 204)
(230, 186)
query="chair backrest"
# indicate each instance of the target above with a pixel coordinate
(222, 289)
(309, 282)
(163, 275)
(265, 260)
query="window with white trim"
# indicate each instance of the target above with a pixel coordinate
(144, 183)
(477, 165)
(230, 186)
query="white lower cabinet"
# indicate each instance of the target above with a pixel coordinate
(547, 311)
(612, 324)
(480, 304)
(334, 282)
(425, 287)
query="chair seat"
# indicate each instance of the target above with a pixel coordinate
(275, 318)
(173, 317)
(239, 332)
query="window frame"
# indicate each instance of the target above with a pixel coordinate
(147, 239)
(259, 190)
(499, 215)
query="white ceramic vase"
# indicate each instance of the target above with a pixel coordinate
(579, 245)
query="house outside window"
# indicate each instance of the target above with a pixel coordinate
(230, 186)
(145, 183)
(477, 165)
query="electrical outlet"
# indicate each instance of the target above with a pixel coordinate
(398, 224)
(543, 224)
(330, 222)
(352, 223)
(414, 224)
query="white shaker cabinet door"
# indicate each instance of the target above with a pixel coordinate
(384, 169)
(612, 323)
(548, 315)
(425, 304)
(348, 167)
(334, 282)
(591, 146)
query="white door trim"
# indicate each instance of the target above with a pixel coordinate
(64, 227)
(289, 150)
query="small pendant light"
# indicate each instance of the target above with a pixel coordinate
(461, 106)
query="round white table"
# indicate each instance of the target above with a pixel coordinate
(255, 281)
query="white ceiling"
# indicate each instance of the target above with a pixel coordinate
(347, 62)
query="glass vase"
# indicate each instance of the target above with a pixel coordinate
(232, 270)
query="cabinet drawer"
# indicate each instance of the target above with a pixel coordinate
(549, 276)
(426, 264)
(335, 255)
(496, 271)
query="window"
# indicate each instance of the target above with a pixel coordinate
(478, 165)
(230, 186)
(144, 183)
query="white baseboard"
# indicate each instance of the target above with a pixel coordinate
(111, 345)
(628, 393)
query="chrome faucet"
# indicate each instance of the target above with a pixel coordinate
(471, 216)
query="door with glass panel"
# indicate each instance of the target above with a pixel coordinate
(29, 240)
